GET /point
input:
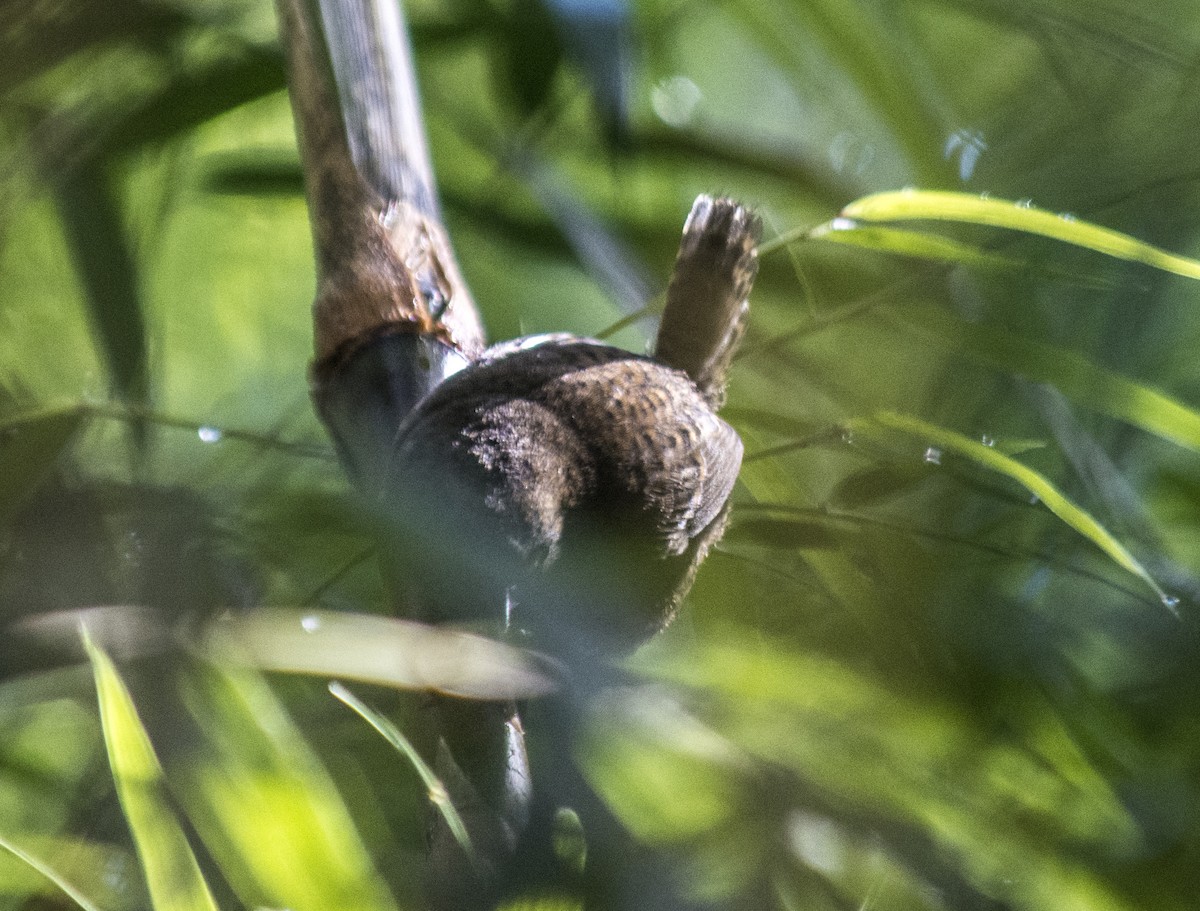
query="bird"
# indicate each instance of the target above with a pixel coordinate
(574, 483)
(563, 492)
(554, 490)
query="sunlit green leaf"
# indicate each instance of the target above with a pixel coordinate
(172, 873)
(928, 205)
(933, 247)
(386, 651)
(909, 243)
(255, 781)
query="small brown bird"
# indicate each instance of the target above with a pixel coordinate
(568, 490)
(553, 486)
(570, 484)
(574, 483)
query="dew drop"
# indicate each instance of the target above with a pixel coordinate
(1034, 499)
(1171, 603)
(848, 436)
(209, 434)
(933, 455)
(310, 623)
(1068, 216)
(1024, 203)
(987, 441)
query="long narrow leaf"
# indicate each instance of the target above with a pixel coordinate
(384, 651)
(110, 274)
(48, 871)
(439, 795)
(904, 243)
(264, 804)
(1074, 375)
(1036, 483)
(966, 208)
(172, 874)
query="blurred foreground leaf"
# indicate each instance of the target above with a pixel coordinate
(384, 651)
(49, 872)
(1083, 381)
(829, 758)
(172, 873)
(264, 805)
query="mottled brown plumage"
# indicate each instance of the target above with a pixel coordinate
(584, 484)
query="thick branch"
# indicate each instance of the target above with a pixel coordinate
(384, 261)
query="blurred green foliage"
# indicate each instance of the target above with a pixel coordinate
(901, 682)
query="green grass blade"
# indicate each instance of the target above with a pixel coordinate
(913, 244)
(928, 247)
(264, 804)
(439, 794)
(1036, 483)
(172, 874)
(966, 208)
(1071, 373)
(50, 873)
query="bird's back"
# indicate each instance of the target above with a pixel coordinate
(583, 480)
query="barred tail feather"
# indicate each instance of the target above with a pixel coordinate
(707, 299)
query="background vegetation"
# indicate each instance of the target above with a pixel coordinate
(905, 681)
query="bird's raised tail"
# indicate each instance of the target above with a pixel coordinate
(706, 307)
